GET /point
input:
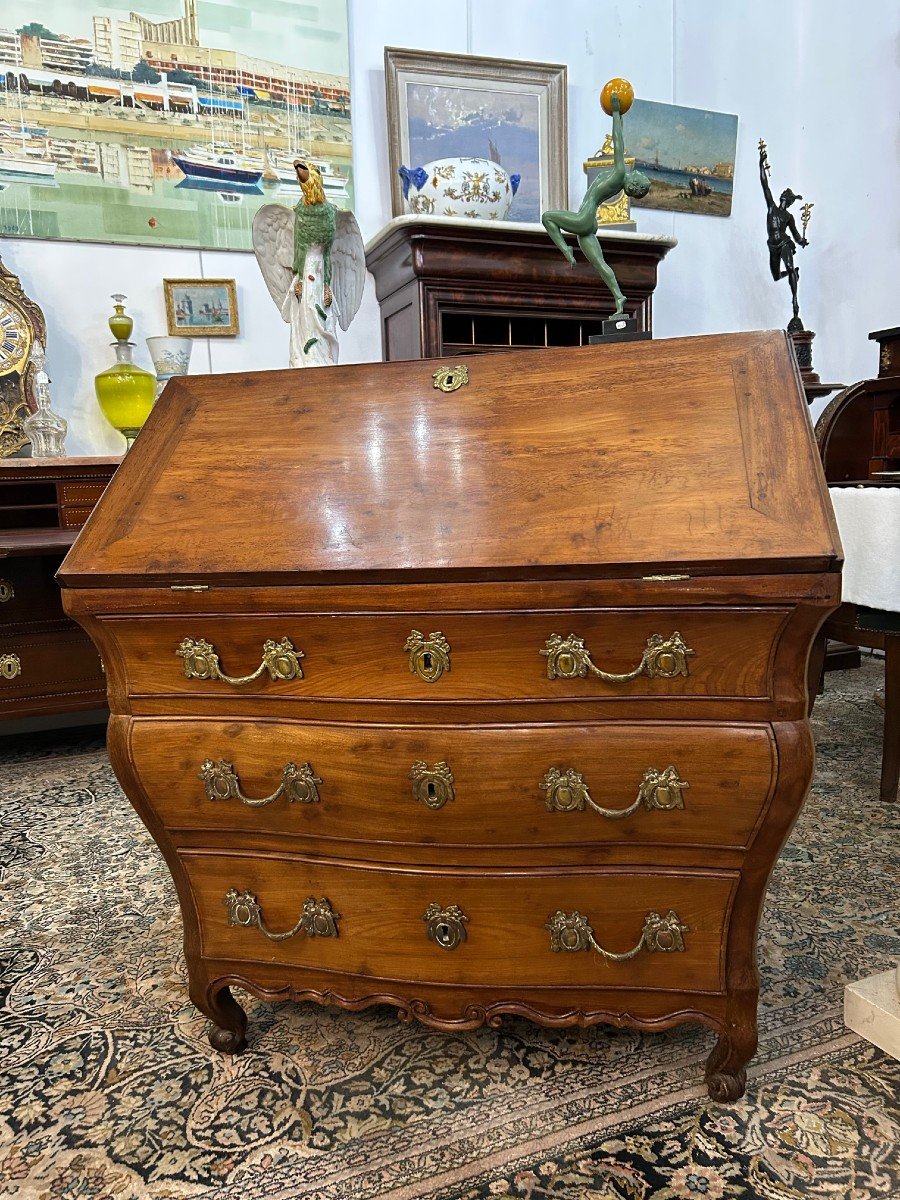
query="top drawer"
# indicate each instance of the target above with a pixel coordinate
(454, 656)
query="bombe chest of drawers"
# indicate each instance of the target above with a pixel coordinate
(472, 692)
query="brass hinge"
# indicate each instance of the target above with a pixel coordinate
(189, 587)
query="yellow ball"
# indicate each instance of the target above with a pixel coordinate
(625, 92)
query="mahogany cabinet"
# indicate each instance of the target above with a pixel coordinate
(463, 701)
(452, 286)
(47, 663)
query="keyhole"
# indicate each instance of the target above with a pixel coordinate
(426, 659)
(443, 934)
(432, 790)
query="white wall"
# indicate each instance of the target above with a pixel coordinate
(818, 79)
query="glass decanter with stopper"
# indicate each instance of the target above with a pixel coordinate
(44, 428)
(125, 391)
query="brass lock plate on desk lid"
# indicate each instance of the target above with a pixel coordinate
(449, 379)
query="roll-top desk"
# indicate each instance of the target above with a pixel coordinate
(473, 692)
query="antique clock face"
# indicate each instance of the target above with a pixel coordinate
(15, 338)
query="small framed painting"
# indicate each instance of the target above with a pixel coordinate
(446, 107)
(688, 154)
(201, 307)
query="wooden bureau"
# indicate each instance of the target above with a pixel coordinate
(47, 665)
(481, 702)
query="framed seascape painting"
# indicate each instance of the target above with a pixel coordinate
(508, 113)
(688, 155)
(167, 122)
(201, 307)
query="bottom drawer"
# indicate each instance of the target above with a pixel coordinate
(493, 929)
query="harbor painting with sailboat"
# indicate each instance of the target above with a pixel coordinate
(688, 155)
(147, 129)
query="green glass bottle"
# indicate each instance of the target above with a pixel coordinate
(125, 391)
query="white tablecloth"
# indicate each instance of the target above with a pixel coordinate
(869, 521)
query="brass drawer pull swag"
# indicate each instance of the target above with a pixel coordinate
(572, 931)
(568, 792)
(446, 927)
(201, 661)
(663, 658)
(10, 666)
(299, 784)
(318, 919)
(7, 591)
(429, 657)
(432, 786)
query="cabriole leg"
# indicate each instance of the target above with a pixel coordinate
(229, 1021)
(726, 1067)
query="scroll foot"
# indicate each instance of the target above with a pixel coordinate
(726, 1067)
(229, 1022)
(725, 1087)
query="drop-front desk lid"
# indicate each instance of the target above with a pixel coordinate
(694, 454)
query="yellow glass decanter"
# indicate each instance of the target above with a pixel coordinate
(125, 391)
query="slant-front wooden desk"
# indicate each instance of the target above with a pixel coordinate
(472, 692)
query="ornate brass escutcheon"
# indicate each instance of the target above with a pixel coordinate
(663, 658)
(429, 657)
(7, 591)
(446, 927)
(10, 666)
(201, 661)
(572, 931)
(298, 783)
(432, 786)
(448, 379)
(567, 792)
(318, 919)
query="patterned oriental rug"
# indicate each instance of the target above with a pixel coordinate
(109, 1089)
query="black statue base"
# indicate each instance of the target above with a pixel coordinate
(619, 329)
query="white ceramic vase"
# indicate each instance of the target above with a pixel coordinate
(459, 187)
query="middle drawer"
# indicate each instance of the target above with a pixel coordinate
(523, 785)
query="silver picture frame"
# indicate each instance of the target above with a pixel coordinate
(547, 81)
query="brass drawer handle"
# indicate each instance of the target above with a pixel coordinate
(10, 666)
(201, 661)
(572, 931)
(429, 657)
(446, 927)
(299, 784)
(432, 786)
(7, 591)
(568, 792)
(318, 919)
(663, 658)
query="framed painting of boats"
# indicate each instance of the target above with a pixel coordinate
(201, 307)
(170, 128)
